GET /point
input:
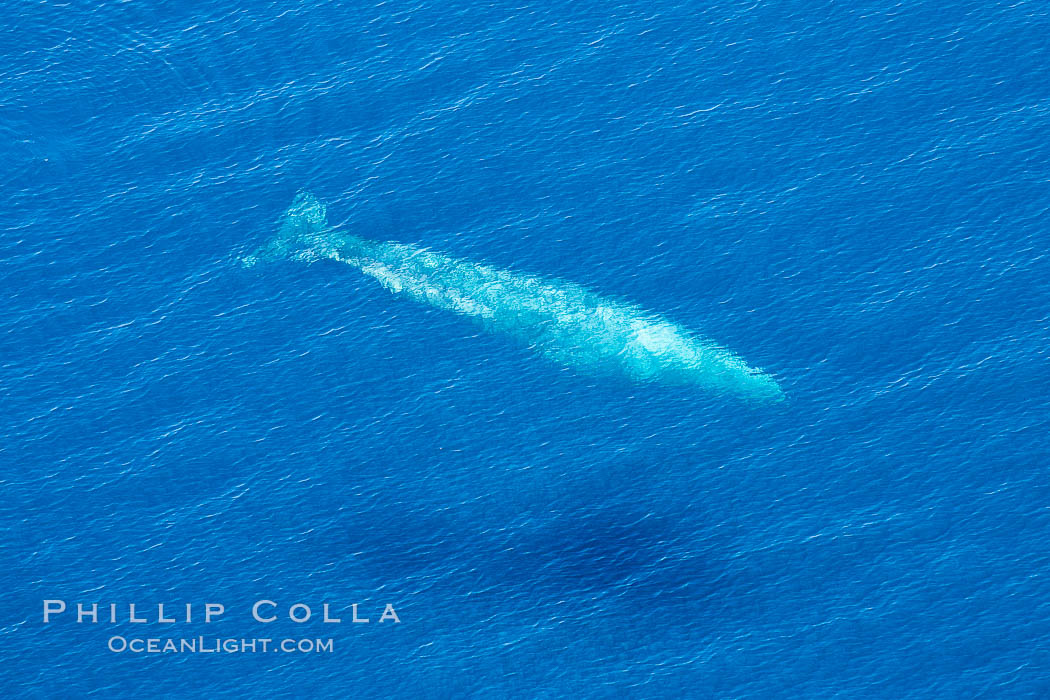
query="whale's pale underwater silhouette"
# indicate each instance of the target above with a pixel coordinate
(559, 320)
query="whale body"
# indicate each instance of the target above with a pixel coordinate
(560, 320)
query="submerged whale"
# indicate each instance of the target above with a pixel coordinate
(559, 320)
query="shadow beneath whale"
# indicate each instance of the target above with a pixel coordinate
(624, 550)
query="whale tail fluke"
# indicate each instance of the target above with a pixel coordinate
(302, 232)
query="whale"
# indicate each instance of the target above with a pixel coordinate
(562, 321)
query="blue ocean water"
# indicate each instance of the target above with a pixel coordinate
(852, 196)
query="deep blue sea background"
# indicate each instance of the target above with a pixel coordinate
(852, 196)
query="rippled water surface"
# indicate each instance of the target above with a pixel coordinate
(852, 197)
